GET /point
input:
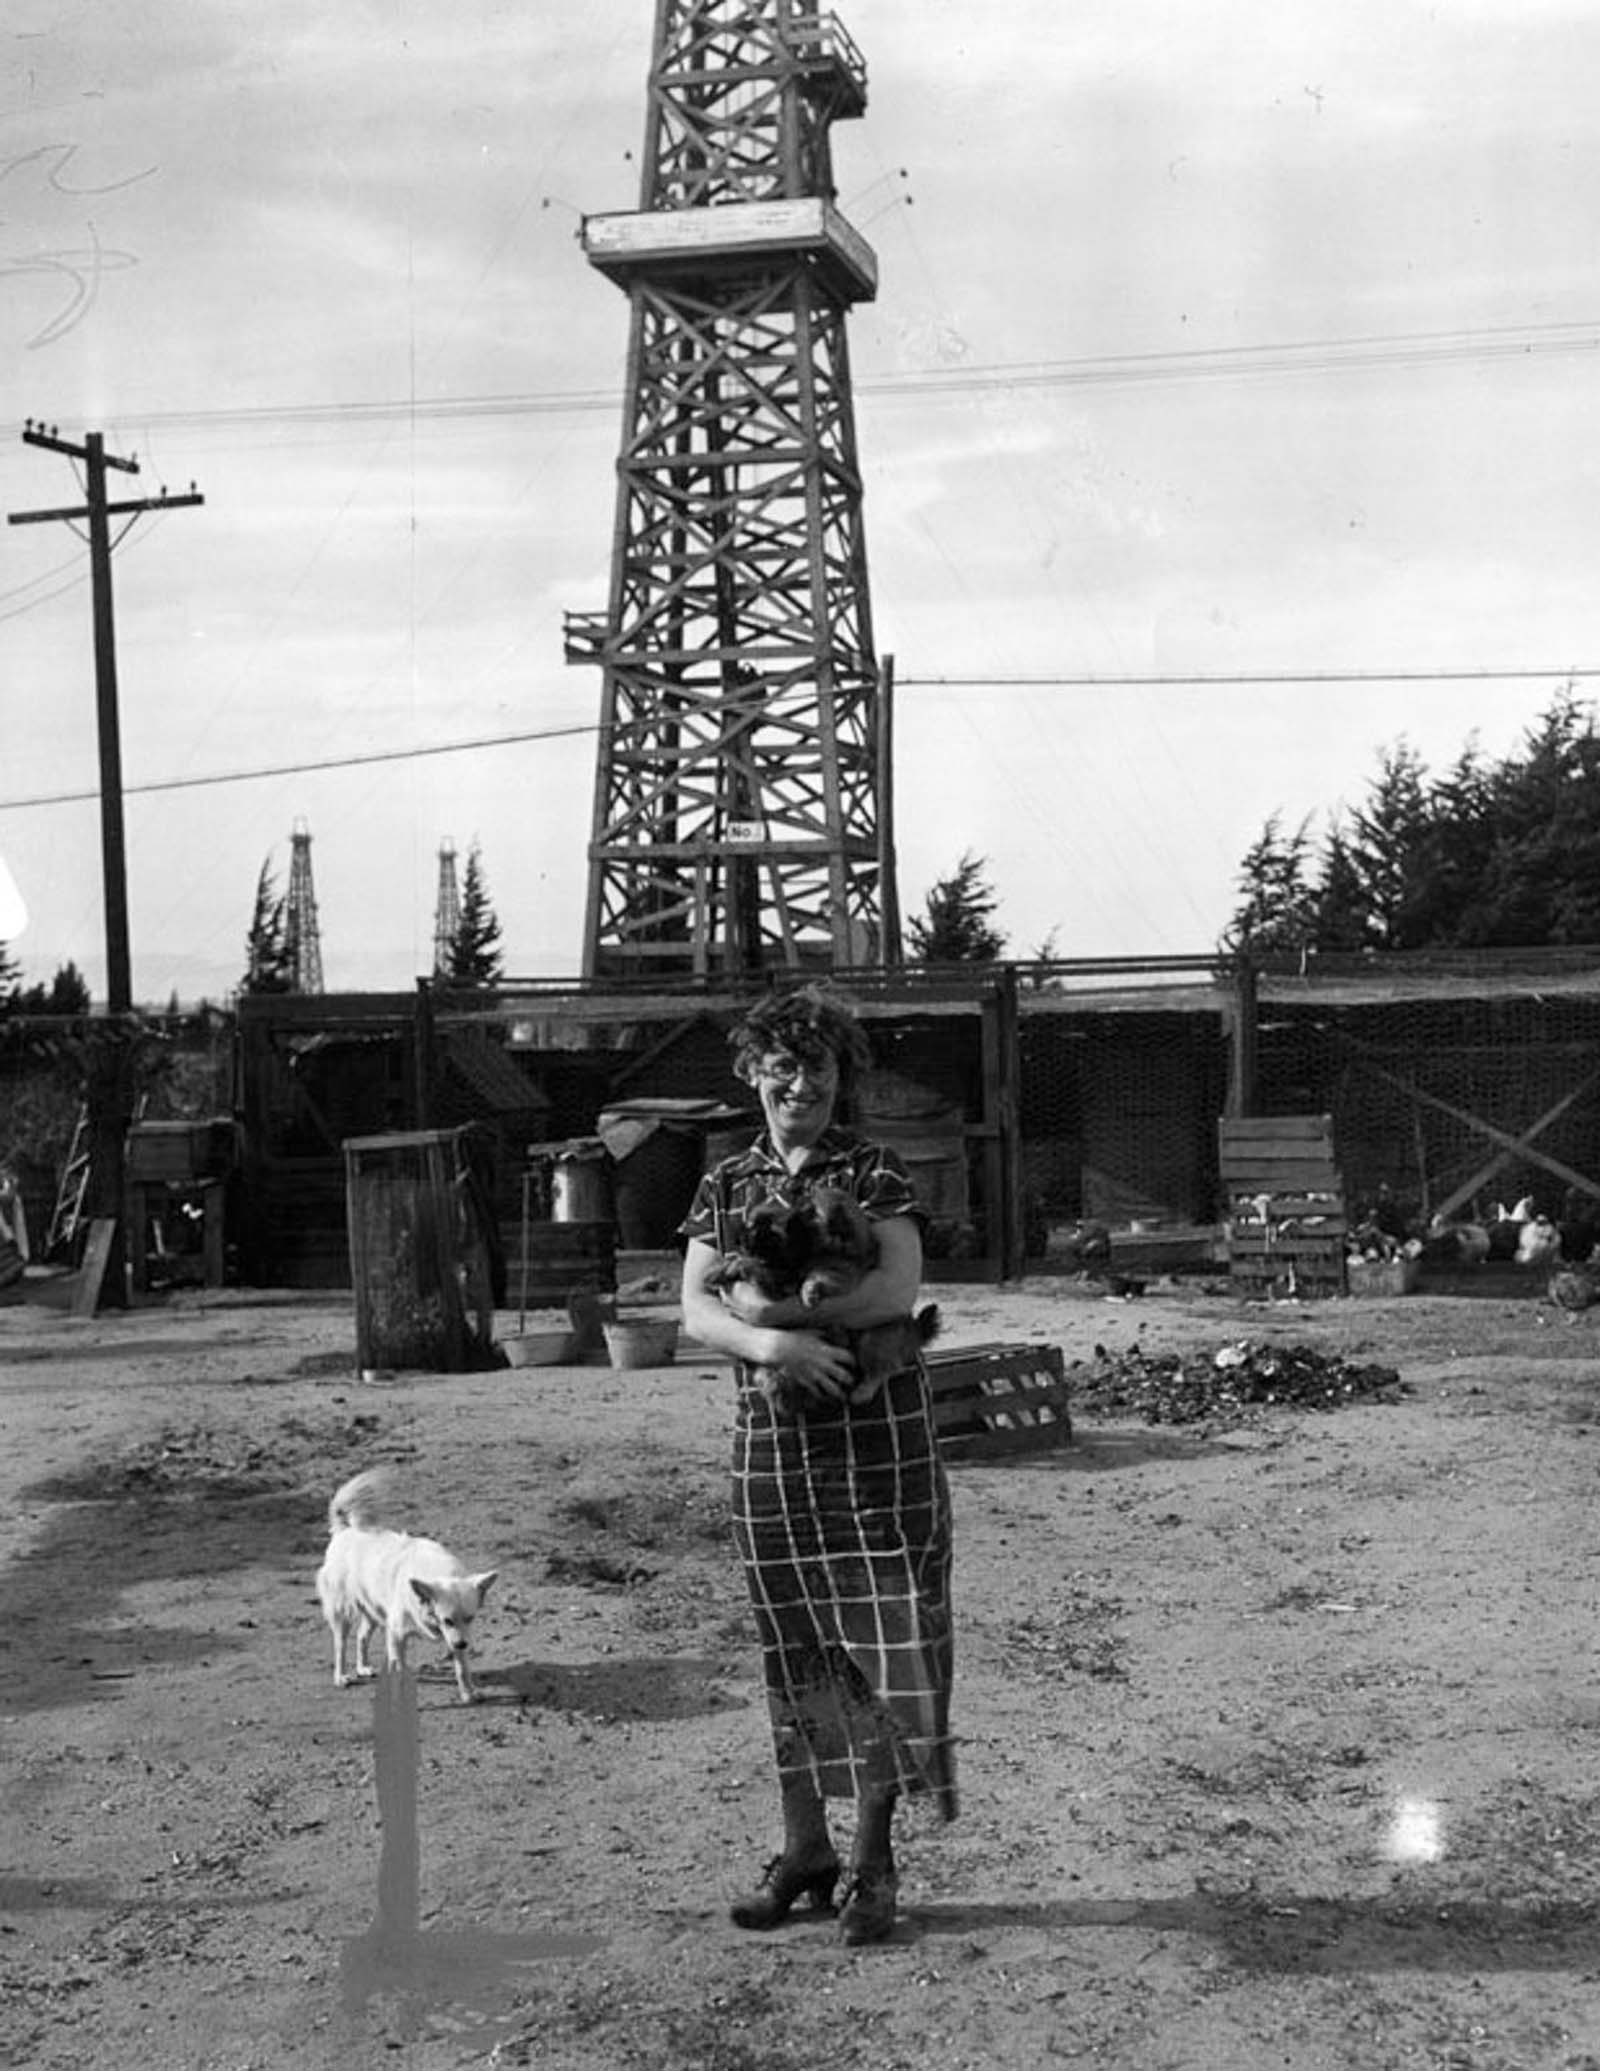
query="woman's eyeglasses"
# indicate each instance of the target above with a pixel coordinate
(789, 1071)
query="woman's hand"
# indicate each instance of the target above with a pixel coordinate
(746, 1301)
(823, 1370)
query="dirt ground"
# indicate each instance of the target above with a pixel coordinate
(1278, 1735)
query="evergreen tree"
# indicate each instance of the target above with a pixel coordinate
(474, 955)
(268, 966)
(1342, 912)
(1388, 848)
(1490, 855)
(69, 991)
(955, 927)
(10, 978)
(1277, 910)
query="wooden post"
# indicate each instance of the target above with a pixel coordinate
(1243, 1017)
(890, 951)
(425, 1060)
(1002, 1177)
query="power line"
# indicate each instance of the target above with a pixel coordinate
(1226, 362)
(298, 769)
(557, 733)
(1280, 676)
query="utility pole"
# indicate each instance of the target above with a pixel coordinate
(99, 512)
(109, 1087)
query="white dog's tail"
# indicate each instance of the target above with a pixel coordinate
(356, 1502)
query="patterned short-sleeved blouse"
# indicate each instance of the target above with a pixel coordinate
(870, 1173)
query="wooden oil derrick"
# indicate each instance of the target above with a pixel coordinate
(446, 911)
(742, 809)
(302, 931)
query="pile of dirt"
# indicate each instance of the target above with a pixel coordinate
(1228, 1386)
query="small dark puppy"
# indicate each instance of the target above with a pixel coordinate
(814, 1251)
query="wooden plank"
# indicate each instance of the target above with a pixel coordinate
(1330, 1221)
(1267, 1133)
(1041, 1390)
(1278, 1257)
(980, 1444)
(1278, 1152)
(1283, 1179)
(1271, 1157)
(1314, 1180)
(1026, 1409)
(970, 1365)
(1327, 1222)
(1253, 1128)
(1300, 1214)
(958, 1355)
(92, 1273)
(1279, 1202)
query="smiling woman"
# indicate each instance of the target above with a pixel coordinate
(841, 1509)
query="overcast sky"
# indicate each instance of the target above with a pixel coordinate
(1251, 340)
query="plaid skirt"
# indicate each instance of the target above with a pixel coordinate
(842, 1519)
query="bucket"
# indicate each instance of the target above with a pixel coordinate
(580, 1187)
(539, 1348)
(637, 1344)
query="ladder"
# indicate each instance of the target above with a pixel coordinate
(66, 1217)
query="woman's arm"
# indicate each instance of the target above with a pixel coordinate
(795, 1348)
(886, 1291)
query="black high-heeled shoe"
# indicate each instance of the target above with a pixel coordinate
(784, 1881)
(868, 1913)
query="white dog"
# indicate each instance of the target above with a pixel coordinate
(411, 1587)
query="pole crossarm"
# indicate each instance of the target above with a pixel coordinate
(92, 448)
(112, 510)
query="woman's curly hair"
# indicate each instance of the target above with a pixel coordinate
(811, 1024)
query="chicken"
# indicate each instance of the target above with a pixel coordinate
(1455, 1243)
(1368, 1240)
(1539, 1243)
(1573, 1289)
(1091, 1248)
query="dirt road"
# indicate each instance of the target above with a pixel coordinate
(1279, 1734)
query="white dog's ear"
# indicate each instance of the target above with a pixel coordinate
(484, 1583)
(423, 1591)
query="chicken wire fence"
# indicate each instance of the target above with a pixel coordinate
(1447, 1108)
(1450, 1109)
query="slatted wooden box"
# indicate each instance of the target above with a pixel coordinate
(993, 1399)
(1381, 1276)
(1284, 1205)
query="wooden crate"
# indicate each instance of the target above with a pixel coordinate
(1284, 1205)
(179, 1150)
(1378, 1276)
(992, 1399)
